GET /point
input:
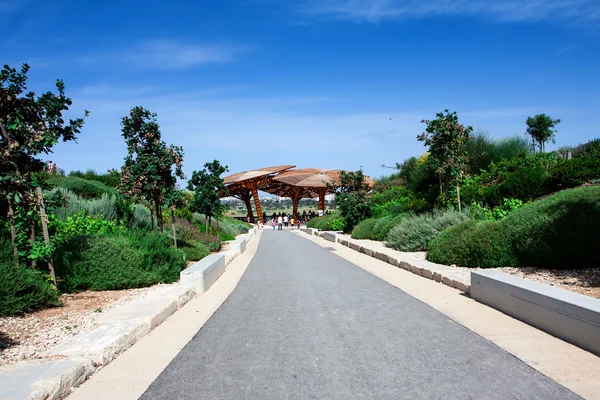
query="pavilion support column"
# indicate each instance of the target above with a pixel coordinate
(322, 192)
(296, 195)
(246, 198)
(259, 213)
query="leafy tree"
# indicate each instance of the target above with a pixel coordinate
(446, 139)
(541, 129)
(351, 198)
(151, 167)
(207, 187)
(29, 126)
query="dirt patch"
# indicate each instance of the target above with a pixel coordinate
(30, 336)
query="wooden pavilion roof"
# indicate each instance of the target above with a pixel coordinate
(255, 173)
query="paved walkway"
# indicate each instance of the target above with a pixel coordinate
(304, 323)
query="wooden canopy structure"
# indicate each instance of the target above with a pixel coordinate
(244, 185)
(283, 181)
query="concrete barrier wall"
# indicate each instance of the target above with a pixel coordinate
(204, 273)
(238, 245)
(569, 316)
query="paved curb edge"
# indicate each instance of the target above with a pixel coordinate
(422, 268)
(59, 377)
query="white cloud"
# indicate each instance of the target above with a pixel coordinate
(167, 55)
(504, 10)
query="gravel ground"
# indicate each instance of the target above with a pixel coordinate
(30, 336)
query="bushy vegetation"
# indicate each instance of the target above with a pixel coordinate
(364, 229)
(82, 187)
(22, 289)
(326, 222)
(559, 231)
(111, 178)
(384, 225)
(117, 261)
(416, 231)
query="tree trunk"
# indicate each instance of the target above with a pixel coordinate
(44, 218)
(441, 186)
(458, 196)
(173, 227)
(13, 232)
(152, 215)
(31, 223)
(159, 221)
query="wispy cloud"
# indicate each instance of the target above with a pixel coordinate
(506, 10)
(167, 55)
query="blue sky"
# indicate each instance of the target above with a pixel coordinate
(315, 83)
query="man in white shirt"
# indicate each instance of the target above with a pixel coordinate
(279, 223)
(285, 221)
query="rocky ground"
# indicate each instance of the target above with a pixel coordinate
(30, 336)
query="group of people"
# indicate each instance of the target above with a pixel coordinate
(284, 221)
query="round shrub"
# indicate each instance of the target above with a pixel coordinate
(477, 244)
(560, 231)
(384, 225)
(324, 223)
(416, 231)
(363, 230)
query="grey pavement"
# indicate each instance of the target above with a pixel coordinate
(306, 324)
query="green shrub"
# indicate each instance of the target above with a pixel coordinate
(557, 232)
(195, 233)
(324, 223)
(194, 252)
(363, 229)
(22, 289)
(416, 231)
(560, 231)
(589, 149)
(224, 236)
(525, 178)
(81, 187)
(574, 172)
(142, 218)
(497, 213)
(110, 179)
(477, 244)
(118, 261)
(384, 225)
(338, 224)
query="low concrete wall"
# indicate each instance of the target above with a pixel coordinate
(204, 273)
(238, 245)
(330, 236)
(569, 316)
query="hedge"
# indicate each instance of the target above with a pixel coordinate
(558, 232)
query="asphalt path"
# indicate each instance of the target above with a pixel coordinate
(304, 323)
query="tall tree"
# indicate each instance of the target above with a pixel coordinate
(151, 167)
(541, 128)
(208, 187)
(29, 126)
(446, 138)
(351, 197)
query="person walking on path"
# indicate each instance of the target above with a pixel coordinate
(285, 221)
(273, 223)
(298, 223)
(279, 223)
